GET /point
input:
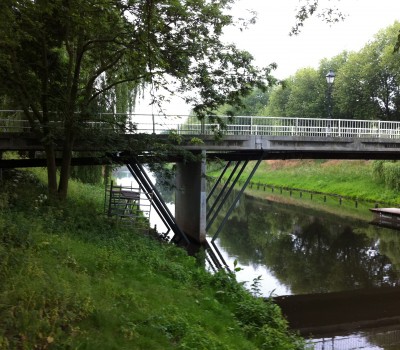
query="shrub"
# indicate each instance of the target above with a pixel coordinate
(377, 170)
(387, 172)
(391, 173)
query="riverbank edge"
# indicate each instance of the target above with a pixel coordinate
(354, 206)
(72, 278)
(346, 209)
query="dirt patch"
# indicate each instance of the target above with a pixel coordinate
(334, 162)
(331, 162)
(292, 163)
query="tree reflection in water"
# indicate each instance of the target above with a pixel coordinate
(311, 251)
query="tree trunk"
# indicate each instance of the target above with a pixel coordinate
(51, 170)
(65, 167)
(1, 170)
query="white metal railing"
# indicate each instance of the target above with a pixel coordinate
(14, 121)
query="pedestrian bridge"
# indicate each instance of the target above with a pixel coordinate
(237, 140)
(228, 137)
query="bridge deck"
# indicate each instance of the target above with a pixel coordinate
(242, 137)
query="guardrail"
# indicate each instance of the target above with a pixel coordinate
(14, 121)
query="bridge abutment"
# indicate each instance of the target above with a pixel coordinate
(191, 198)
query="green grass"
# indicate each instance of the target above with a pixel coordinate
(351, 179)
(73, 279)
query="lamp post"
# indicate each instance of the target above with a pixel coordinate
(330, 78)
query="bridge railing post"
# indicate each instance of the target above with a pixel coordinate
(379, 128)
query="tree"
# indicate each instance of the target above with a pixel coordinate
(278, 100)
(330, 14)
(62, 59)
(367, 85)
(300, 96)
(310, 8)
(306, 99)
(335, 64)
(253, 104)
(352, 91)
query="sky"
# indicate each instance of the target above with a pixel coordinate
(268, 40)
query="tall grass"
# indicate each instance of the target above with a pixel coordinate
(74, 279)
(353, 179)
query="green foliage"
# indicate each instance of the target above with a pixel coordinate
(387, 172)
(352, 179)
(252, 104)
(72, 278)
(377, 170)
(64, 63)
(308, 9)
(196, 141)
(278, 100)
(263, 322)
(366, 85)
(90, 174)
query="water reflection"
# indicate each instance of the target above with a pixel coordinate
(297, 250)
(310, 251)
(301, 251)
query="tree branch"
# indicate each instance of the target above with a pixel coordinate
(99, 71)
(108, 87)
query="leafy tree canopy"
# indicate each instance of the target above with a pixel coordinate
(366, 85)
(62, 60)
(311, 8)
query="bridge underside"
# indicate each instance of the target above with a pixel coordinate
(226, 156)
(229, 148)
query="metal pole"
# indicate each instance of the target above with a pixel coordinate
(330, 101)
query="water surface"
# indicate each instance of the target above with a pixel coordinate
(336, 278)
(340, 272)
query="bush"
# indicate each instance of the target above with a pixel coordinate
(377, 170)
(387, 172)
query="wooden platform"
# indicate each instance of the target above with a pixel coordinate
(386, 217)
(389, 212)
(126, 194)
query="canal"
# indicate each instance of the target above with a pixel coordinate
(335, 276)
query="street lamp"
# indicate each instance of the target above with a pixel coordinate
(330, 78)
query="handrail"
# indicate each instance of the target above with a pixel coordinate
(14, 121)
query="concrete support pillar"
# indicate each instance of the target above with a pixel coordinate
(190, 199)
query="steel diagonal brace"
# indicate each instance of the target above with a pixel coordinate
(218, 181)
(142, 183)
(233, 205)
(163, 211)
(232, 186)
(221, 193)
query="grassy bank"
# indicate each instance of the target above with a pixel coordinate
(351, 179)
(73, 279)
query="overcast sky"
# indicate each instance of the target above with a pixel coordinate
(268, 40)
